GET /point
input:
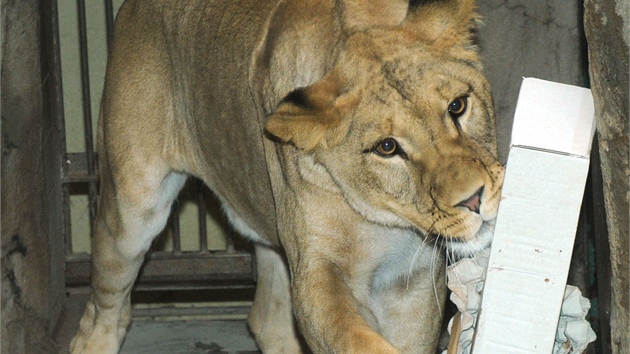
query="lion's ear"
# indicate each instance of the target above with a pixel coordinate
(309, 117)
(443, 24)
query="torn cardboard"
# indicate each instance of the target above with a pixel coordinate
(466, 279)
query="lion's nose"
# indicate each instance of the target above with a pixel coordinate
(473, 202)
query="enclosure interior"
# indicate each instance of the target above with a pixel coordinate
(198, 269)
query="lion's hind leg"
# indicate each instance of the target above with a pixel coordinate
(271, 316)
(133, 209)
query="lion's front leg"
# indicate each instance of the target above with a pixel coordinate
(409, 311)
(331, 318)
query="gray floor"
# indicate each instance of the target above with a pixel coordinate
(157, 337)
(175, 328)
(172, 329)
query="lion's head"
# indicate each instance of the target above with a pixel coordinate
(404, 125)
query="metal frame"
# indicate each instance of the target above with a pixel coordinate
(52, 110)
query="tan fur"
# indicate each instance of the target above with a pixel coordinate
(278, 106)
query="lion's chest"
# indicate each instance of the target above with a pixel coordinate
(398, 254)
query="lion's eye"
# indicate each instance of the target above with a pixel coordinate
(387, 148)
(458, 107)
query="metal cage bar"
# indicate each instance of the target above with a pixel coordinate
(203, 226)
(52, 155)
(109, 20)
(177, 243)
(57, 113)
(87, 109)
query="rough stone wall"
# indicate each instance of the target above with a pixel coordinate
(25, 257)
(607, 25)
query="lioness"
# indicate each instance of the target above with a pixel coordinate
(350, 139)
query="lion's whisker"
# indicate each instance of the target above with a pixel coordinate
(415, 255)
(432, 269)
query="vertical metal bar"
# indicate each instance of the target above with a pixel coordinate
(60, 117)
(53, 80)
(109, 20)
(177, 244)
(67, 222)
(203, 227)
(229, 242)
(87, 109)
(54, 151)
(254, 264)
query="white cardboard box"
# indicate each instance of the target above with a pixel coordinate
(537, 221)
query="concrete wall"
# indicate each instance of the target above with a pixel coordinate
(607, 24)
(27, 292)
(523, 38)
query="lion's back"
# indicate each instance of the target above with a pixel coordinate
(202, 51)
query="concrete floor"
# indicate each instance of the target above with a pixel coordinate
(176, 327)
(166, 328)
(201, 336)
